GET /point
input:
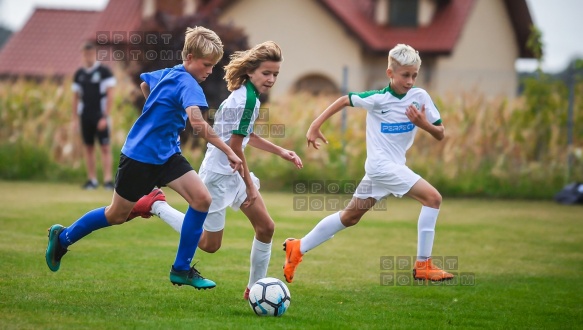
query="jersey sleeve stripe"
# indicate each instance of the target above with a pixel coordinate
(250, 102)
(350, 99)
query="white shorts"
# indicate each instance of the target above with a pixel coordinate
(396, 181)
(226, 190)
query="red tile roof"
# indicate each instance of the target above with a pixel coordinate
(49, 43)
(440, 36)
(120, 15)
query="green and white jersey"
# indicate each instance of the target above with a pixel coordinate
(389, 133)
(236, 115)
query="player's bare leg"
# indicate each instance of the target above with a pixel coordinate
(324, 230)
(261, 248)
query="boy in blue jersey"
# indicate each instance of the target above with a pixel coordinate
(393, 116)
(152, 157)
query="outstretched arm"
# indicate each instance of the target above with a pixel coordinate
(258, 142)
(419, 118)
(314, 132)
(202, 128)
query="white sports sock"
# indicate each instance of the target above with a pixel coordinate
(324, 230)
(169, 214)
(426, 232)
(260, 255)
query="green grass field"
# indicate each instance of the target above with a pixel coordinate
(522, 264)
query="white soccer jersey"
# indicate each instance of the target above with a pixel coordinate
(389, 133)
(236, 115)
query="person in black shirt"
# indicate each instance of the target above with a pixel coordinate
(93, 95)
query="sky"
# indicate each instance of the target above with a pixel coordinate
(559, 21)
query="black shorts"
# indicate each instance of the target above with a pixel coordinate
(89, 132)
(135, 179)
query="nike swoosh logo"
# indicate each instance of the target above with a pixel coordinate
(383, 112)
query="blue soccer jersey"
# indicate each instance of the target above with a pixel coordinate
(153, 137)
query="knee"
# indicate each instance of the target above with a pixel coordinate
(349, 219)
(434, 200)
(202, 203)
(209, 247)
(265, 230)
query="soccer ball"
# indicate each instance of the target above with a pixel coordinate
(269, 297)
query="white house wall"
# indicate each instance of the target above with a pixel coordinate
(483, 58)
(313, 42)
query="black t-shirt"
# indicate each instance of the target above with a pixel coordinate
(92, 87)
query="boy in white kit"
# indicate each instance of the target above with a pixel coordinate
(393, 116)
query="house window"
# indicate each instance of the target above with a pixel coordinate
(403, 12)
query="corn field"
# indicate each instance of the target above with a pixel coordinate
(500, 147)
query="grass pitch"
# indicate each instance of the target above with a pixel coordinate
(519, 266)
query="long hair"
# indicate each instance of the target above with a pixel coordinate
(243, 62)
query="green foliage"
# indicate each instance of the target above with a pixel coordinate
(24, 162)
(545, 108)
(493, 148)
(117, 278)
(37, 139)
(535, 44)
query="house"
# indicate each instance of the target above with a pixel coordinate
(329, 45)
(465, 45)
(49, 44)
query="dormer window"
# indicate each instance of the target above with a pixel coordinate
(403, 13)
(406, 13)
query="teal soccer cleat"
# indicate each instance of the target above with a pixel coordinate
(55, 251)
(190, 277)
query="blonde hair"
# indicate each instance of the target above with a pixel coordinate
(246, 61)
(202, 43)
(403, 55)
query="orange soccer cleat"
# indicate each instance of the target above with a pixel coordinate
(426, 270)
(246, 294)
(293, 257)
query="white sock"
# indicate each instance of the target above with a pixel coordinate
(426, 232)
(169, 214)
(324, 230)
(260, 255)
